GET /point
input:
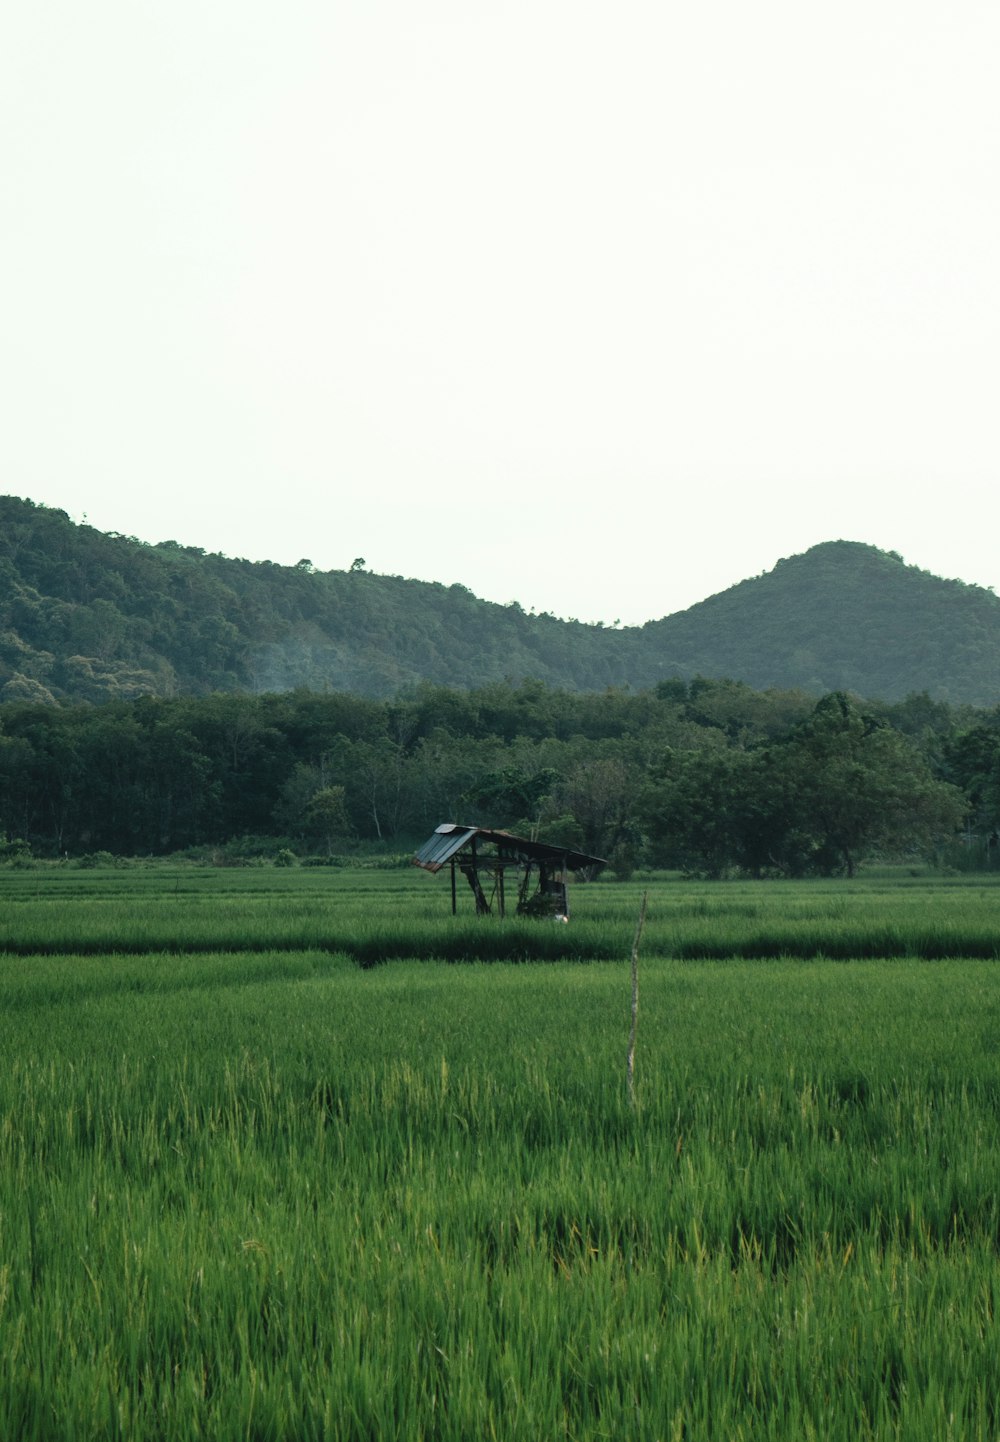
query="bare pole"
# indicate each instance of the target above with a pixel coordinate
(630, 1059)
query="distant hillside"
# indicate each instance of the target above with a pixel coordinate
(87, 615)
(91, 616)
(843, 616)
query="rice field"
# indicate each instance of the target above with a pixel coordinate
(253, 1185)
(375, 916)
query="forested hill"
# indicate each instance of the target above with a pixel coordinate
(86, 615)
(843, 616)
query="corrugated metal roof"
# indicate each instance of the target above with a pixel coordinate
(447, 839)
(450, 838)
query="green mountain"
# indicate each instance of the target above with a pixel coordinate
(843, 617)
(86, 615)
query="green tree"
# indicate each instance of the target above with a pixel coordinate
(972, 760)
(840, 787)
(859, 787)
(600, 794)
(511, 794)
(326, 816)
(694, 810)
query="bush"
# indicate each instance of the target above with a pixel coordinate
(91, 859)
(623, 861)
(15, 852)
(959, 856)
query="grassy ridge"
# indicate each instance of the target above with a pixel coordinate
(267, 1194)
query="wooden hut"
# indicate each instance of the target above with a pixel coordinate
(499, 866)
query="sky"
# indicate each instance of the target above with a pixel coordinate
(597, 307)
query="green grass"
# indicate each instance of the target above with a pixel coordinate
(262, 1192)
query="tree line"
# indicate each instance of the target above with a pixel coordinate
(707, 776)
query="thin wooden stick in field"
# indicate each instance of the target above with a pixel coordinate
(630, 1059)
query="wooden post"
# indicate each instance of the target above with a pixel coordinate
(630, 1059)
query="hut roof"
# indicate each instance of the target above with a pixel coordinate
(450, 838)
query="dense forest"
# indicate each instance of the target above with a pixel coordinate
(709, 776)
(90, 616)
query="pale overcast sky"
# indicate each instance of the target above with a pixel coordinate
(602, 307)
